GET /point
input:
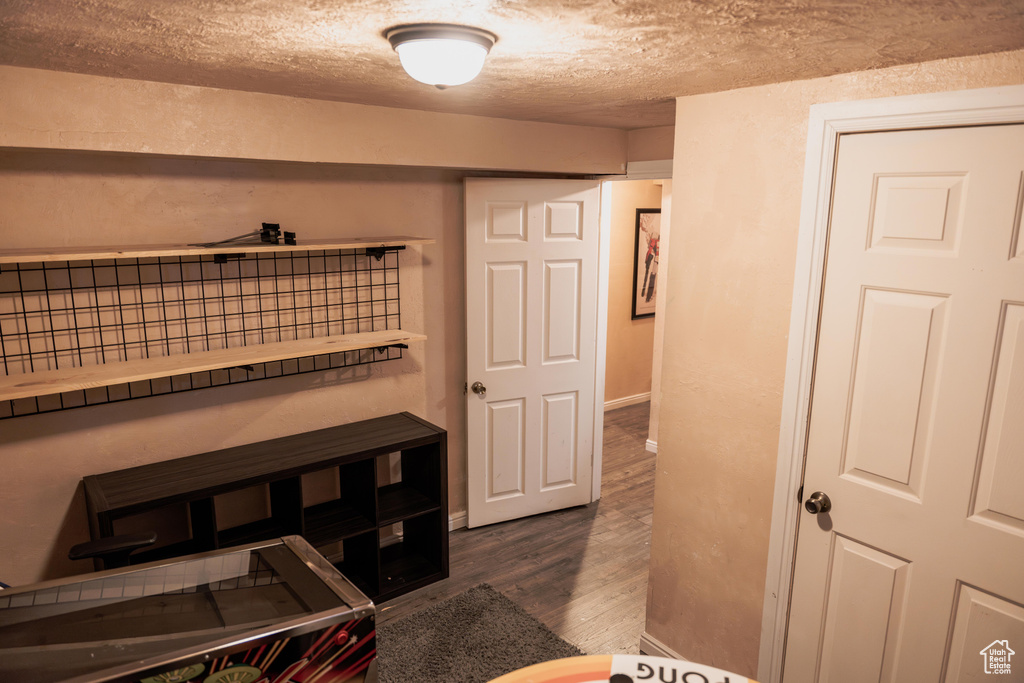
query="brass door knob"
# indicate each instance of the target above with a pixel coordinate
(478, 388)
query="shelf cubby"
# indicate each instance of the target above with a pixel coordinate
(360, 562)
(414, 559)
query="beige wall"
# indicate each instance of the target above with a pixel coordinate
(734, 230)
(630, 342)
(52, 110)
(128, 162)
(650, 144)
(80, 198)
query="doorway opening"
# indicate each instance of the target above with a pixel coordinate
(635, 215)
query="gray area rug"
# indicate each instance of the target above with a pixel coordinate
(470, 638)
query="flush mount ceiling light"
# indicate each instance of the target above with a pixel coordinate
(441, 55)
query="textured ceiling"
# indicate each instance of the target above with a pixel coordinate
(617, 63)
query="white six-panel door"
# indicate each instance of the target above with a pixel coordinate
(917, 417)
(531, 312)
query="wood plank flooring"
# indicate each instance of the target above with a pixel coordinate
(581, 571)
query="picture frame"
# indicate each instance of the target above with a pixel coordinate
(646, 247)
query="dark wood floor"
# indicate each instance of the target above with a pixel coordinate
(582, 571)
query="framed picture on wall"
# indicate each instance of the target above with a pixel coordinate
(645, 262)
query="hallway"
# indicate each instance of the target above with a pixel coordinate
(581, 571)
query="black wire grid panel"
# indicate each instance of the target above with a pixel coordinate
(223, 573)
(59, 315)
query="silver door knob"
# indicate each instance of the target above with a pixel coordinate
(818, 502)
(478, 388)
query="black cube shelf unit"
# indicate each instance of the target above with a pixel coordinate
(357, 529)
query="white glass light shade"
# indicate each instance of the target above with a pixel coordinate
(442, 55)
(442, 61)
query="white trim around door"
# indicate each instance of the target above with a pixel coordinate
(827, 123)
(604, 266)
(660, 169)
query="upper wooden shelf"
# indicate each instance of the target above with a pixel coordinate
(155, 250)
(48, 382)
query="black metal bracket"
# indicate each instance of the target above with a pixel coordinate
(378, 252)
(382, 349)
(223, 258)
(271, 234)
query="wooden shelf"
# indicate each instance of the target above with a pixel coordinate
(253, 531)
(334, 520)
(166, 552)
(46, 255)
(400, 501)
(48, 382)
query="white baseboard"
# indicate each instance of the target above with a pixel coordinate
(458, 520)
(652, 446)
(649, 645)
(627, 401)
